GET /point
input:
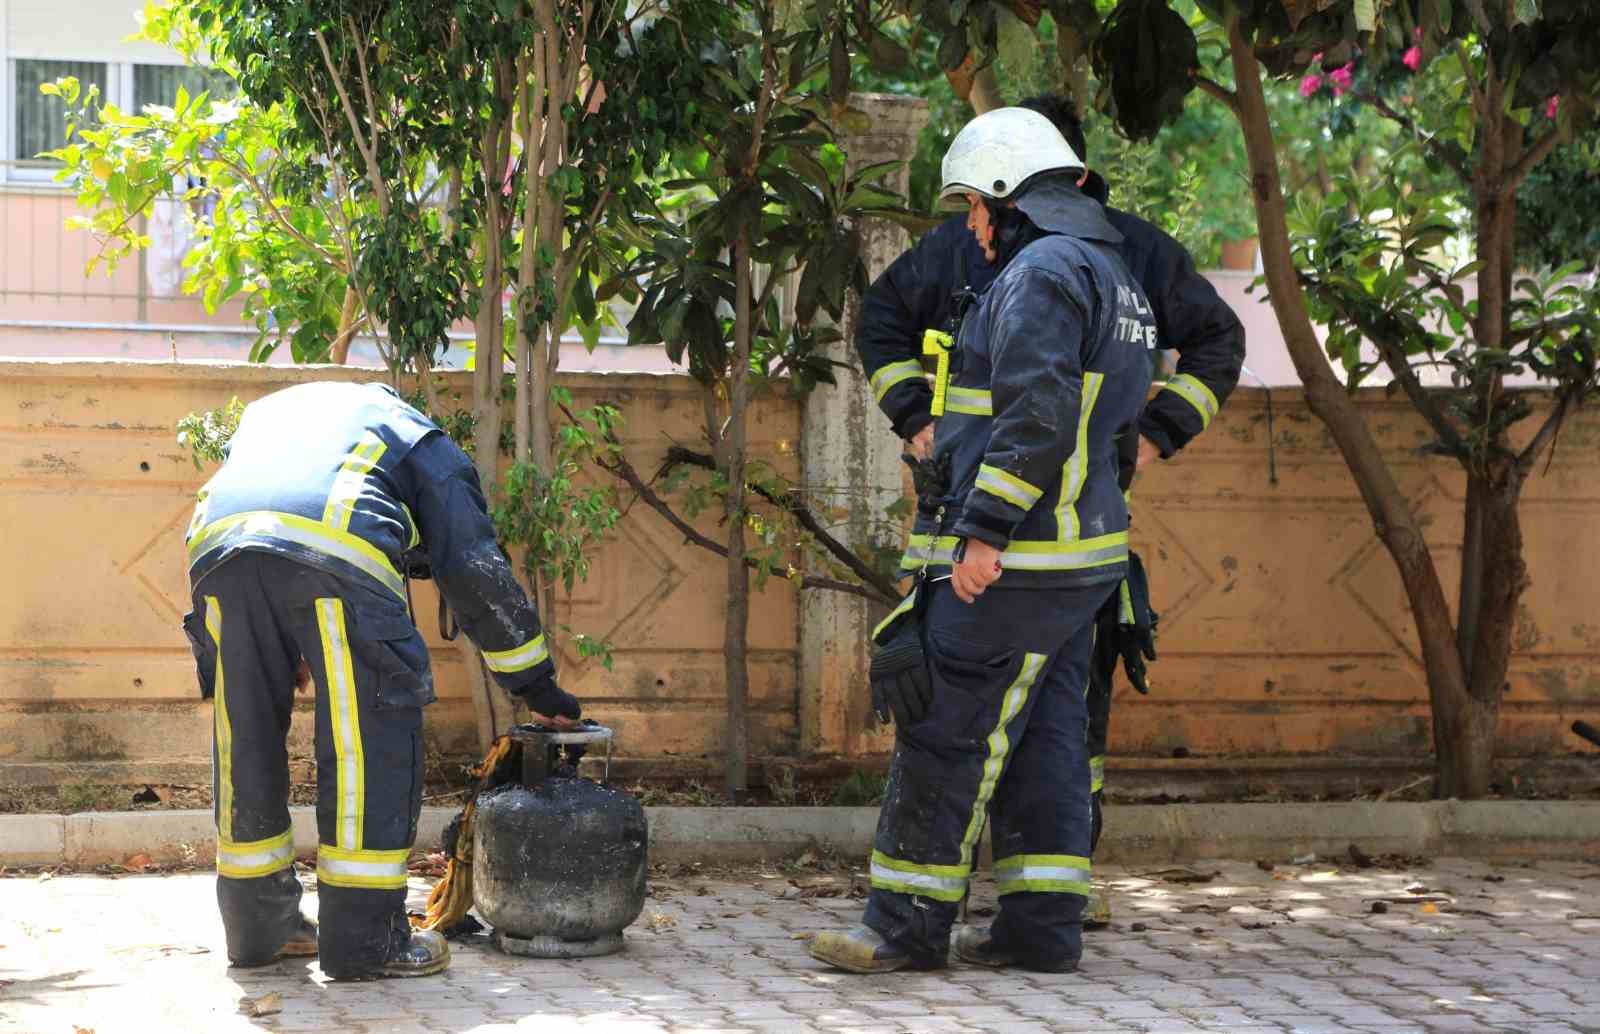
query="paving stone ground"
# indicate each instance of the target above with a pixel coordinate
(1512, 949)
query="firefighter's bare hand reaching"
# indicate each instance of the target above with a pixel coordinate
(978, 569)
(920, 444)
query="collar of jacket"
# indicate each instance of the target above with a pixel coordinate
(1056, 205)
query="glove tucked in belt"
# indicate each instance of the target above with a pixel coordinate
(899, 675)
(1137, 623)
(901, 686)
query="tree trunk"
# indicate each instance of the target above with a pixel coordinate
(736, 622)
(1391, 514)
(493, 707)
(339, 354)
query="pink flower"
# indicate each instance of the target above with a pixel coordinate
(1310, 85)
(1552, 105)
(1341, 78)
(1413, 58)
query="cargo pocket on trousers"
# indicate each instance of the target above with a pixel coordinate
(969, 679)
(393, 647)
(204, 650)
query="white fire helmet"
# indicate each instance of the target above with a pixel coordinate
(1000, 150)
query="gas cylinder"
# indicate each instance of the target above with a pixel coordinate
(558, 861)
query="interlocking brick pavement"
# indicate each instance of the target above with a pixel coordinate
(1250, 952)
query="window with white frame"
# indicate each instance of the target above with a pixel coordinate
(38, 120)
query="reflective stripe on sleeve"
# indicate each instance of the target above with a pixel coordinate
(890, 374)
(1194, 391)
(518, 658)
(1007, 486)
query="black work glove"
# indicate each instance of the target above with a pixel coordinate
(546, 698)
(901, 687)
(1136, 639)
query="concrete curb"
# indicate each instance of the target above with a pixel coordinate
(1136, 834)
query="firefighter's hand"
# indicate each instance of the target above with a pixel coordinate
(1149, 452)
(979, 568)
(920, 444)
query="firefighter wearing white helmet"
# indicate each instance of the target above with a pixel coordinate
(1021, 536)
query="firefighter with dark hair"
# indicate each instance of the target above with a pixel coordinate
(296, 549)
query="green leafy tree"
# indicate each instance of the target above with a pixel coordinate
(767, 202)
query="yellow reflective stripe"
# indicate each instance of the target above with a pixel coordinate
(1097, 773)
(939, 882)
(1025, 555)
(1042, 873)
(1007, 486)
(1125, 604)
(518, 658)
(905, 605)
(302, 531)
(344, 722)
(416, 532)
(383, 870)
(887, 376)
(350, 480)
(224, 727)
(256, 857)
(999, 745)
(971, 401)
(1194, 391)
(1075, 473)
(202, 503)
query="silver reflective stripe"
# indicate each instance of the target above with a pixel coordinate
(350, 775)
(969, 401)
(888, 376)
(1076, 471)
(257, 858)
(519, 658)
(1053, 873)
(1017, 560)
(1194, 391)
(302, 531)
(919, 880)
(361, 868)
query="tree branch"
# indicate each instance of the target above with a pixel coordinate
(1221, 93)
(1480, 103)
(787, 502)
(1445, 153)
(1531, 157)
(368, 154)
(620, 468)
(1547, 431)
(1400, 366)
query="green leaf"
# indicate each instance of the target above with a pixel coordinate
(1366, 14)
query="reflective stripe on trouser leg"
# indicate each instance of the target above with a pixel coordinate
(344, 723)
(1042, 874)
(223, 728)
(1097, 773)
(378, 870)
(255, 858)
(1041, 821)
(949, 882)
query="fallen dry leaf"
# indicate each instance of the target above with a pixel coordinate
(263, 1005)
(659, 921)
(803, 935)
(139, 862)
(1430, 908)
(1181, 874)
